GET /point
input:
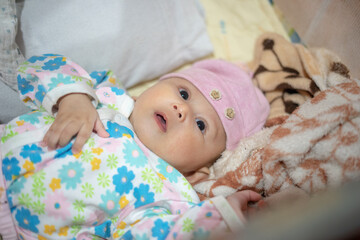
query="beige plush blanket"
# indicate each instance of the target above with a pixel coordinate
(312, 136)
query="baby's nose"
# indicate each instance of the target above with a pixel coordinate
(181, 110)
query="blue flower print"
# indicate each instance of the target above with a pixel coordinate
(54, 64)
(133, 155)
(26, 220)
(40, 93)
(32, 117)
(141, 237)
(23, 85)
(32, 77)
(10, 202)
(103, 230)
(64, 151)
(160, 230)
(110, 202)
(127, 236)
(33, 152)
(71, 174)
(10, 168)
(17, 185)
(156, 211)
(142, 195)
(117, 91)
(201, 234)
(200, 204)
(59, 80)
(168, 171)
(36, 58)
(52, 55)
(98, 76)
(122, 180)
(117, 131)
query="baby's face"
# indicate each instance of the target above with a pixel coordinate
(175, 121)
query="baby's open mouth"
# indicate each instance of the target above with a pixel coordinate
(161, 121)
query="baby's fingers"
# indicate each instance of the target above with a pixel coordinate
(52, 136)
(253, 196)
(68, 133)
(100, 129)
(81, 138)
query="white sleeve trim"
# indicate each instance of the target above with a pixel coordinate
(53, 96)
(228, 213)
(126, 105)
(23, 139)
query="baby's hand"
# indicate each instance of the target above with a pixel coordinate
(76, 117)
(239, 201)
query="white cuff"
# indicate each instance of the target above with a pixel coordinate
(53, 96)
(228, 213)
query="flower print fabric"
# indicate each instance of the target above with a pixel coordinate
(71, 174)
(10, 167)
(111, 189)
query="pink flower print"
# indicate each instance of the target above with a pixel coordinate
(179, 207)
(110, 144)
(57, 206)
(105, 95)
(95, 218)
(208, 216)
(29, 95)
(170, 192)
(80, 71)
(69, 70)
(145, 225)
(84, 236)
(36, 73)
(24, 127)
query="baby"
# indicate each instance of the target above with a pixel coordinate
(110, 167)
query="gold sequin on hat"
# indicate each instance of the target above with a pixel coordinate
(215, 94)
(230, 113)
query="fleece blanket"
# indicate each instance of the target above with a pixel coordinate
(312, 137)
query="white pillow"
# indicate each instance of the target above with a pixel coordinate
(138, 39)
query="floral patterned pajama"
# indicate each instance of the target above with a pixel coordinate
(114, 188)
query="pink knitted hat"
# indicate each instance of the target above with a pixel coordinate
(241, 106)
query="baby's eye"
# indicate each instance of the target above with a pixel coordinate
(184, 94)
(201, 125)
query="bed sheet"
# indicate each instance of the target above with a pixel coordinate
(233, 27)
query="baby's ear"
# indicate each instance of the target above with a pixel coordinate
(198, 176)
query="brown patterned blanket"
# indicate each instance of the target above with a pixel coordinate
(312, 136)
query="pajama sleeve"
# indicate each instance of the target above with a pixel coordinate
(43, 80)
(210, 219)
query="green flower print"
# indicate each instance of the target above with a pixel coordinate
(79, 219)
(147, 175)
(38, 207)
(187, 196)
(91, 142)
(87, 156)
(158, 185)
(188, 225)
(103, 180)
(39, 176)
(112, 161)
(38, 189)
(25, 200)
(49, 119)
(79, 205)
(88, 190)
(10, 133)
